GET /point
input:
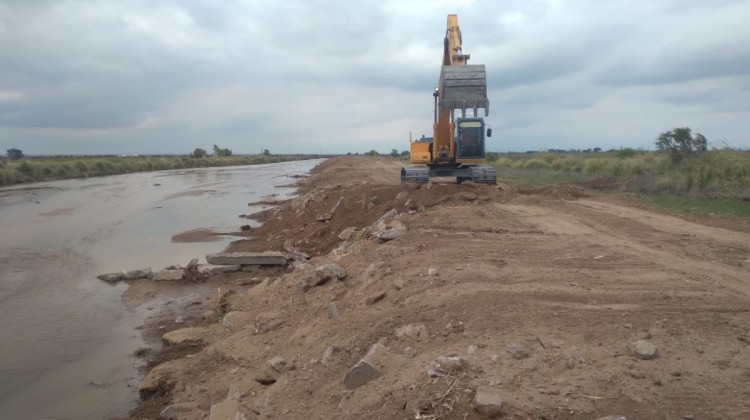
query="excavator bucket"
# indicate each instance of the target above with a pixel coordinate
(464, 87)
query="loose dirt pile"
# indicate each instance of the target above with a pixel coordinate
(558, 302)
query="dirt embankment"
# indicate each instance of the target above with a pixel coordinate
(542, 292)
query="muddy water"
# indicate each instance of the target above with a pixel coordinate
(66, 339)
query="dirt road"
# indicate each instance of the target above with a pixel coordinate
(541, 291)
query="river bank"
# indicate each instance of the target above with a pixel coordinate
(461, 301)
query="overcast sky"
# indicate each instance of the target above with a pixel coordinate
(337, 76)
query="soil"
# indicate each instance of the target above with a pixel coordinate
(570, 275)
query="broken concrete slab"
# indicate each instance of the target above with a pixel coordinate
(168, 275)
(247, 258)
(112, 277)
(141, 273)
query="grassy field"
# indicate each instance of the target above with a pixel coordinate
(713, 182)
(19, 171)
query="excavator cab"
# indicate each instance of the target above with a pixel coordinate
(470, 138)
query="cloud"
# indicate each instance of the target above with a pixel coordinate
(166, 76)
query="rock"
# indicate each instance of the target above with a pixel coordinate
(402, 195)
(324, 217)
(643, 349)
(362, 373)
(688, 416)
(613, 417)
(247, 258)
(192, 266)
(467, 196)
(446, 365)
(399, 284)
(410, 353)
(270, 200)
(432, 272)
(393, 231)
(339, 205)
(111, 277)
(330, 271)
(347, 233)
(178, 410)
(517, 351)
(183, 335)
(417, 331)
(368, 368)
(384, 219)
(267, 321)
(333, 310)
(227, 410)
(141, 273)
(237, 319)
(329, 353)
(160, 377)
(168, 275)
(265, 379)
(297, 256)
(179, 320)
(472, 350)
(487, 401)
(375, 298)
(211, 315)
(281, 365)
(307, 282)
(168, 413)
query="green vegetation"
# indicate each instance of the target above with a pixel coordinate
(700, 182)
(700, 206)
(16, 171)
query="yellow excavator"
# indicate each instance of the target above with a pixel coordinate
(457, 147)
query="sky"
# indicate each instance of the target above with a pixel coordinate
(339, 76)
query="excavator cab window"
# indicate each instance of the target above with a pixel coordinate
(470, 140)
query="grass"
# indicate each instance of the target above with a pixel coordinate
(700, 206)
(66, 167)
(715, 182)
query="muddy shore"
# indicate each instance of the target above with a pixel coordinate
(457, 301)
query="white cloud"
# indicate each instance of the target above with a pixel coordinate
(167, 76)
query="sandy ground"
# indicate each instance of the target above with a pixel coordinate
(542, 292)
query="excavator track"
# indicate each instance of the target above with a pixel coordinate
(481, 174)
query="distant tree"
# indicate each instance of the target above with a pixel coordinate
(394, 153)
(373, 152)
(266, 152)
(680, 143)
(222, 152)
(405, 153)
(14, 154)
(199, 153)
(597, 149)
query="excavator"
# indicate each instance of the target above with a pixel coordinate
(457, 147)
